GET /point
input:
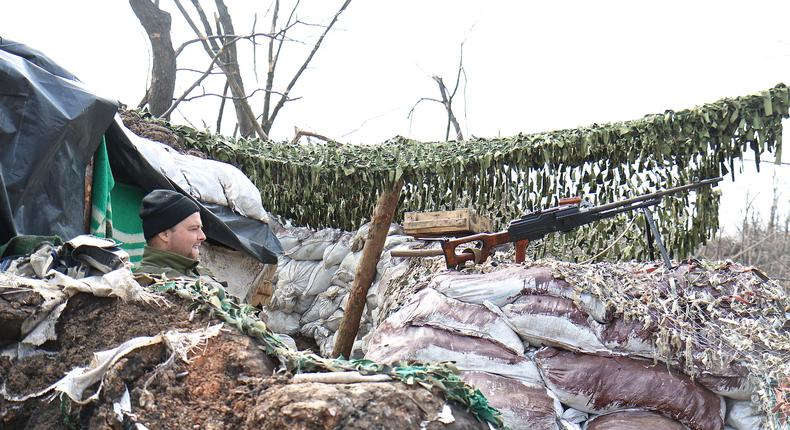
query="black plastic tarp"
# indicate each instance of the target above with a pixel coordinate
(50, 126)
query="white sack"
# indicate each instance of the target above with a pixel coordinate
(742, 415)
(432, 309)
(391, 344)
(312, 248)
(504, 286)
(280, 322)
(546, 320)
(292, 281)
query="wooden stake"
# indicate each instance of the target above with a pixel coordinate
(383, 214)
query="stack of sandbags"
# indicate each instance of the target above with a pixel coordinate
(597, 354)
(432, 327)
(314, 278)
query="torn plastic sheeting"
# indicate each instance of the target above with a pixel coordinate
(45, 330)
(392, 344)
(554, 321)
(633, 420)
(79, 379)
(606, 384)
(523, 406)
(118, 283)
(431, 308)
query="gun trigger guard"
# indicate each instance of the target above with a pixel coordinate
(476, 252)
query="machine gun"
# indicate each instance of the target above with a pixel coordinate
(567, 215)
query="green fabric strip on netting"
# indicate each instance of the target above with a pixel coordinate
(211, 297)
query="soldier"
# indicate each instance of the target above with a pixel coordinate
(173, 232)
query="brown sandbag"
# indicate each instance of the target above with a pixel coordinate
(523, 406)
(633, 420)
(606, 384)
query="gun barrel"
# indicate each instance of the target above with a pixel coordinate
(656, 195)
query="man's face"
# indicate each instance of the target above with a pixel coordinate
(185, 237)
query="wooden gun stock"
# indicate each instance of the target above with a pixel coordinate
(455, 259)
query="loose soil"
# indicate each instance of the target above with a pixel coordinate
(229, 383)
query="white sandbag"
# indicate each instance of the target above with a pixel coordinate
(292, 282)
(372, 298)
(292, 237)
(523, 406)
(312, 248)
(325, 304)
(396, 240)
(347, 270)
(320, 280)
(553, 321)
(600, 385)
(336, 252)
(333, 322)
(391, 344)
(280, 322)
(207, 180)
(504, 286)
(361, 235)
(326, 343)
(430, 308)
(303, 304)
(742, 415)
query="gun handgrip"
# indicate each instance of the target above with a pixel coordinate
(488, 241)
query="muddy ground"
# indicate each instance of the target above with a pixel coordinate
(229, 384)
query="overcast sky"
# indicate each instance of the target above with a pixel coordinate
(530, 66)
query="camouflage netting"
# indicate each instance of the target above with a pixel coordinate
(503, 177)
(701, 318)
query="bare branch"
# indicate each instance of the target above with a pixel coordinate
(252, 36)
(225, 97)
(291, 84)
(423, 99)
(299, 133)
(222, 105)
(271, 65)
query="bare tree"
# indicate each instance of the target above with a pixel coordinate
(219, 40)
(156, 22)
(447, 99)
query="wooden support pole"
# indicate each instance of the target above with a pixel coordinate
(383, 214)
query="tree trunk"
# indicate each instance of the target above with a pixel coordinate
(156, 23)
(366, 269)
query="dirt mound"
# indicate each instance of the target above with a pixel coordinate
(150, 129)
(229, 381)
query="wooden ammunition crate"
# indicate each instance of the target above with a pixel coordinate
(459, 222)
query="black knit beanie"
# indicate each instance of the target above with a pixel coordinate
(162, 209)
